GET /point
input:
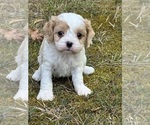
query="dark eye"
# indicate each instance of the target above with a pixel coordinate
(79, 35)
(60, 33)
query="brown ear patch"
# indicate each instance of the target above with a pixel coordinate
(49, 29)
(60, 26)
(90, 32)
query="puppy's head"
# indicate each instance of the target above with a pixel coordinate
(69, 31)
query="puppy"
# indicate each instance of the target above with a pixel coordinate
(62, 53)
(21, 72)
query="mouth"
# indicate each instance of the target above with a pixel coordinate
(68, 50)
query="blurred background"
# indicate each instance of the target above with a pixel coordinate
(13, 18)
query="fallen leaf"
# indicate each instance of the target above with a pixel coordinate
(35, 34)
(13, 34)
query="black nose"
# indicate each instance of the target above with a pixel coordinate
(69, 44)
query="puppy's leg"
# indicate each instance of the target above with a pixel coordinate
(22, 93)
(77, 78)
(37, 75)
(46, 87)
(14, 75)
(88, 70)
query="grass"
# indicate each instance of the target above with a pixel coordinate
(104, 105)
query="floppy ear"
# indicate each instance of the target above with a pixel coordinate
(90, 33)
(49, 29)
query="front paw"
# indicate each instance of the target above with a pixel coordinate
(22, 94)
(13, 75)
(82, 90)
(45, 95)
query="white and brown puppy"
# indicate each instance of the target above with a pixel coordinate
(62, 53)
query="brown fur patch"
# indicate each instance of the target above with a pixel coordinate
(83, 31)
(60, 26)
(52, 27)
(90, 32)
(49, 29)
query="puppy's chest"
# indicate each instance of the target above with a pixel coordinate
(62, 66)
(62, 70)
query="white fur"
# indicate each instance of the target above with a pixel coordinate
(55, 60)
(73, 20)
(88, 70)
(21, 72)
